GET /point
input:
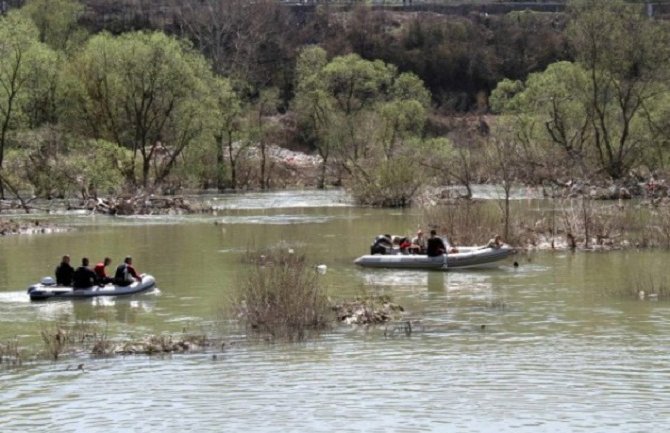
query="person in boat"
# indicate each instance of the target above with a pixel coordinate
(100, 272)
(403, 243)
(64, 272)
(435, 245)
(418, 245)
(495, 242)
(381, 245)
(125, 273)
(83, 277)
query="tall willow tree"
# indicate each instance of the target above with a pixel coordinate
(146, 92)
(56, 21)
(314, 104)
(24, 67)
(597, 109)
(370, 117)
(626, 57)
(227, 132)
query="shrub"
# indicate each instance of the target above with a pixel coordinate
(281, 298)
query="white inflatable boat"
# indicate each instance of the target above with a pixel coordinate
(466, 257)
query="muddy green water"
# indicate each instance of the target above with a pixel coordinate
(551, 346)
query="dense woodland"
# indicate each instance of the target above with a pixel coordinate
(97, 98)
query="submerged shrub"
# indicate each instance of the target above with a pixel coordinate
(281, 297)
(11, 353)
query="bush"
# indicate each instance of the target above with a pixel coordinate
(281, 297)
(390, 183)
(465, 222)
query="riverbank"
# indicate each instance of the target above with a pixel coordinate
(10, 227)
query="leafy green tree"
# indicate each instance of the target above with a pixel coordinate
(56, 21)
(24, 64)
(314, 105)
(146, 92)
(551, 121)
(372, 116)
(356, 85)
(624, 67)
(228, 133)
(624, 55)
(55, 164)
(259, 127)
(597, 109)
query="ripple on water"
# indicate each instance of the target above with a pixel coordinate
(339, 383)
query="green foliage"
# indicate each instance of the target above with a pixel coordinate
(56, 21)
(356, 83)
(365, 115)
(597, 111)
(389, 183)
(26, 79)
(146, 92)
(56, 165)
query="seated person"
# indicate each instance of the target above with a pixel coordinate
(64, 272)
(435, 245)
(381, 245)
(418, 245)
(125, 273)
(496, 242)
(403, 243)
(100, 272)
(83, 277)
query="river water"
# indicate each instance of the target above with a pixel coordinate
(557, 344)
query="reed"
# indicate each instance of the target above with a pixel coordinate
(11, 353)
(281, 297)
(650, 286)
(56, 340)
(464, 222)
(64, 336)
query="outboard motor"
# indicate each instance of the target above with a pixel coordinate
(48, 281)
(45, 282)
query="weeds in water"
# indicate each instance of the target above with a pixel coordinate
(568, 223)
(64, 336)
(465, 222)
(650, 286)
(55, 340)
(281, 297)
(10, 353)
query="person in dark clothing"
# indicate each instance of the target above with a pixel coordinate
(64, 272)
(100, 273)
(83, 277)
(381, 245)
(125, 273)
(435, 245)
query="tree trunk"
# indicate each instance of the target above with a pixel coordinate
(220, 165)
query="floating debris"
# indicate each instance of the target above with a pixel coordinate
(368, 311)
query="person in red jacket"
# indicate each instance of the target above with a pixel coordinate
(100, 272)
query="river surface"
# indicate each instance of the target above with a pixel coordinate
(557, 344)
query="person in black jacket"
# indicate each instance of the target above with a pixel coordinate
(381, 245)
(64, 272)
(83, 277)
(435, 245)
(125, 273)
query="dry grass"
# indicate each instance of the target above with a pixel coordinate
(648, 286)
(63, 337)
(281, 297)
(11, 353)
(591, 223)
(464, 222)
